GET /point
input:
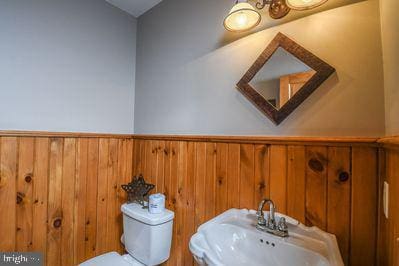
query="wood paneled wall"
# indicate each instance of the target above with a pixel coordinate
(202, 178)
(60, 193)
(389, 228)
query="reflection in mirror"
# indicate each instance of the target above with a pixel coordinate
(281, 77)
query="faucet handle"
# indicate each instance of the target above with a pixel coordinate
(282, 225)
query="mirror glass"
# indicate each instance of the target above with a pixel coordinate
(281, 77)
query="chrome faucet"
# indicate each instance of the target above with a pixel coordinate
(269, 225)
(261, 217)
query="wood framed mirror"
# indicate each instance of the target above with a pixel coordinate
(282, 77)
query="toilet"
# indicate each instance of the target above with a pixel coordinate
(147, 238)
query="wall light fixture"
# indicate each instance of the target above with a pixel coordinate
(243, 16)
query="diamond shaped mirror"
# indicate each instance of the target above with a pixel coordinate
(283, 76)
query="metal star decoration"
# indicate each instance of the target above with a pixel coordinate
(138, 190)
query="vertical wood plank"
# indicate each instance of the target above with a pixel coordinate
(102, 198)
(181, 198)
(113, 239)
(24, 190)
(278, 177)
(8, 194)
(394, 209)
(233, 176)
(124, 167)
(339, 203)
(54, 202)
(68, 201)
(143, 158)
(159, 183)
(146, 154)
(391, 224)
(247, 176)
(200, 188)
(154, 165)
(389, 243)
(140, 157)
(221, 191)
(382, 249)
(172, 190)
(364, 206)
(296, 182)
(80, 200)
(121, 179)
(395, 206)
(262, 171)
(168, 188)
(40, 193)
(210, 180)
(167, 177)
(150, 162)
(136, 157)
(189, 184)
(316, 186)
(129, 161)
(91, 199)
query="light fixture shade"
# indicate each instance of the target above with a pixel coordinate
(304, 4)
(242, 17)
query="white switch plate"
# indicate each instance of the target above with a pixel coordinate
(385, 199)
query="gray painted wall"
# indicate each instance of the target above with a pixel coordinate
(390, 41)
(66, 66)
(187, 71)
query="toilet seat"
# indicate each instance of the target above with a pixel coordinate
(112, 259)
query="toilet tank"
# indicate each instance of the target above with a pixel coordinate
(147, 237)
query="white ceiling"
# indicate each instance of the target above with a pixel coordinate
(134, 7)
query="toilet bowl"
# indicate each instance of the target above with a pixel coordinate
(147, 239)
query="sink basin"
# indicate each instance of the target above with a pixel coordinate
(232, 239)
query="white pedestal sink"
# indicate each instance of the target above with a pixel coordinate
(231, 239)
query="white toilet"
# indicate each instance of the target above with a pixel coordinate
(147, 238)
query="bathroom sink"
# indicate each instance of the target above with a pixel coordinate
(232, 239)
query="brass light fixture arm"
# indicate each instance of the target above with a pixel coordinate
(260, 4)
(277, 8)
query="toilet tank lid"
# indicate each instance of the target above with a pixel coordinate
(137, 212)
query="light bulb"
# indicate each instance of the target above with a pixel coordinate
(242, 20)
(304, 4)
(242, 17)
